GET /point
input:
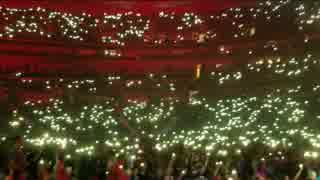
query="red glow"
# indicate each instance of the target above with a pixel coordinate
(146, 7)
(99, 65)
(61, 58)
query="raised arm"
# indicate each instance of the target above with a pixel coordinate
(217, 169)
(205, 166)
(297, 176)
(170, 165)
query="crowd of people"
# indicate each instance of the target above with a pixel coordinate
(282, 117)
(182, 165)
(172, 29)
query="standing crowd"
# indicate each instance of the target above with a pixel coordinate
(176, 166)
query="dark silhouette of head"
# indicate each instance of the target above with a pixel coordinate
(18, 141)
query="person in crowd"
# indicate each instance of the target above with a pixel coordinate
(60, 170)
(181, 166)
(117, 170)
(318, 177)
(83, 168)
(169, 170)
(44, 173)
(33, 163)
(17, 162)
